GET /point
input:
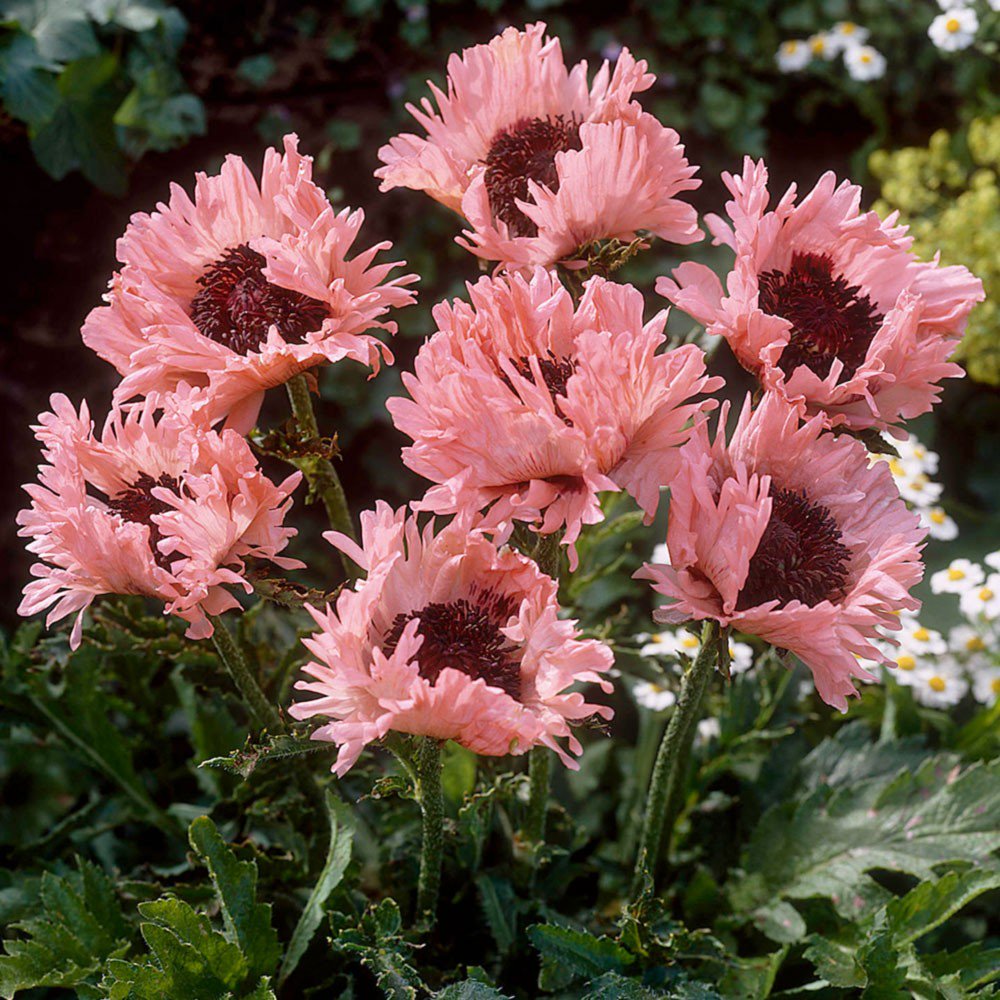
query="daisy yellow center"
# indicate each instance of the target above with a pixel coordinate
(526, 151)
(985, 594)
(896, 467)
(866, 57)
(830, 318)
(690, 642)
(952, 25)
(800, 556)
(956, 574)
(237, 305)
(465, 636)
(937, 515)
(995, 685)
(936, 683)
(906, 662)
(137, 504)
(818, 45)
(921, 635)
(848, 28)
(974, 643)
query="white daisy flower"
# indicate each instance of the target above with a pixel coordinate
(960, 576)
(993, 559)
(740, 657)
(708, 730)
(921, 641)
(661, 555)
(655, 697)
(939, 685)
(916, 455)
(822, 46)
(984, 601)
(986, 680)
(845, 35)
(952, 4)
(864, 63)
(938, 524)
(792, 55)
(968, 643)
(955, 29)
(994, 4)
(905, 667)
(919, 490)
(658, 644)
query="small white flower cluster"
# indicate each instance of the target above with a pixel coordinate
(673, 645)
(912, 471)
(955, 28)
(863, 62)
(940, 671)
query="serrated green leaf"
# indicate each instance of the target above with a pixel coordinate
(248, 758)
(470, 989)
(81, 926)
(338, 857)
(930, 904)
(884, 972)
(975, 965)
(499, 904)
(612, 986)
(836, 963)
(568, 955)
(247, 921)
(823, 843)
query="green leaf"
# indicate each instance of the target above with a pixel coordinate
(612, 986)
(930, 904)
(823, 843)
(569, 954)
(470, 989)
(61, 30)
(975, 965)
(80, 132)
(496, 896)
(338, 856)
(837, 963)
(885, 974)
(27, 83)
(256, 70)
(80, 927)
(247, 759)
(247, 921)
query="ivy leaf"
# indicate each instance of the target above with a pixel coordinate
(62, 31)
(338, 857)
(247, 921)
(80, 133)
(27, 83)
(569, 954)
(81, 926)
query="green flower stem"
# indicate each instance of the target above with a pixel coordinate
(428, 768)
(263, 714)
(668, 771)
(319, 471)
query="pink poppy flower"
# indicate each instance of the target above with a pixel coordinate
(827, 305)
(157, 505)
(521, 404)
(242, 288)
(538, 163)
(451, 638)
(788, 534)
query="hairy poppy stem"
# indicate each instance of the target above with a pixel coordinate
(671, 761)
(427, 761)
(319, 471)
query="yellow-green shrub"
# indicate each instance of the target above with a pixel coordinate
(949, 193)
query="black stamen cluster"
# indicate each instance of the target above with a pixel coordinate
(526, 151)
(237, 305)
(137, 503)
(830, 318)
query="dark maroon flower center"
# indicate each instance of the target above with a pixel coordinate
(830, 318)
(137, 503)
(555, 373)
(526, 151)
(801, 556)
(464, 635)
(237, 305)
